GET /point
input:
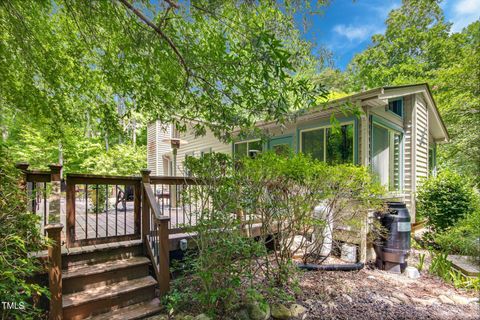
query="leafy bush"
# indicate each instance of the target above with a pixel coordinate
(272, 194)
(19, 236)
(463, 238)
(445, 199)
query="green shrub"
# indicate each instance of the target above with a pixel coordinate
(274, 193)
(463, 238)
(19, 236)
(445, 199)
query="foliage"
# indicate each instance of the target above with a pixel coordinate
(98, 64)
(272, 194)
(463, 238)
(443, 268)
(421, 261)
(418, 46)
(222, 267)
(444, 199)
(20, 236)
(122, 159)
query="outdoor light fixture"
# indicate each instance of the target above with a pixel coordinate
(175, 143)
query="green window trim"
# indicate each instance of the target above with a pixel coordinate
(393, 130)
(325, 125)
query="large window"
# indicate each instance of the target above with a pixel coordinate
(331, 144)
(246, 148)
(386, 156)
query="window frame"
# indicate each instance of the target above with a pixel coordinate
(402, 107)
(432, 167)
(392, 130)
(325, 127)
(187, 154)
(248, 145)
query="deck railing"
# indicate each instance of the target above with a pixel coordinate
(102, 209)
(43, 189)
(155, 230)
(174, 198)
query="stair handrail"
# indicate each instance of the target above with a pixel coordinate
(155, 234)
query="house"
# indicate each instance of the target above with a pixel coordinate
(396, 136)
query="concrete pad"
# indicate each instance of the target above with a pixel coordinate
(469, 266)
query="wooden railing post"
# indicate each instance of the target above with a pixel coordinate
(145, 208)
(55, 271)
(164, 256)
(70, 218)
(54, 206)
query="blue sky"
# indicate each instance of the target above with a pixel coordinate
(346, 26)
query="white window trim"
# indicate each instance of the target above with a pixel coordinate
(247, 142)
(325, 138)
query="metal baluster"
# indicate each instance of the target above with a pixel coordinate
(190, 204)
(86, 211)
(45, 205)
(34, 197)
(125, 211)
(106, 209)
(170, 201)
(176, 205)
(96, 212)
(116, 209)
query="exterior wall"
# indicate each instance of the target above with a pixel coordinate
(415, 146)
(409, 153)
(422, 140)
(196, 145)
(156, 149)
(152, 159)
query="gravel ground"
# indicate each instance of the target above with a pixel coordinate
(374, 294)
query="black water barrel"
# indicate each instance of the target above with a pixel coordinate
(392, 250)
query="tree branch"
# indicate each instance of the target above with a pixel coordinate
(159, 31)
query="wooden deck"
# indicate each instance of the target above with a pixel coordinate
(118, 221)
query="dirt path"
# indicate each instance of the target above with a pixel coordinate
(375, 294)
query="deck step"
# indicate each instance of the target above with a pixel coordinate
(105, 298)
(84, 277)
(135, 311)
(90, 255)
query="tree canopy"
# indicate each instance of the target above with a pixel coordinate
(88, 68)
(418, 46)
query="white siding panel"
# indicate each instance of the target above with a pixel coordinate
(409, 153)
(152, 148)
(164, 131)
(422, 139)
(196, 145)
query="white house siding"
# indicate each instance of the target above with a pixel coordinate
(156, 149)
(409, 153)
(422, 140)
(196, 145)
(152, 148)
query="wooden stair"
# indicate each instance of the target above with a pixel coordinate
(108, 282)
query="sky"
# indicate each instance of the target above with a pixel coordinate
(346, 26)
